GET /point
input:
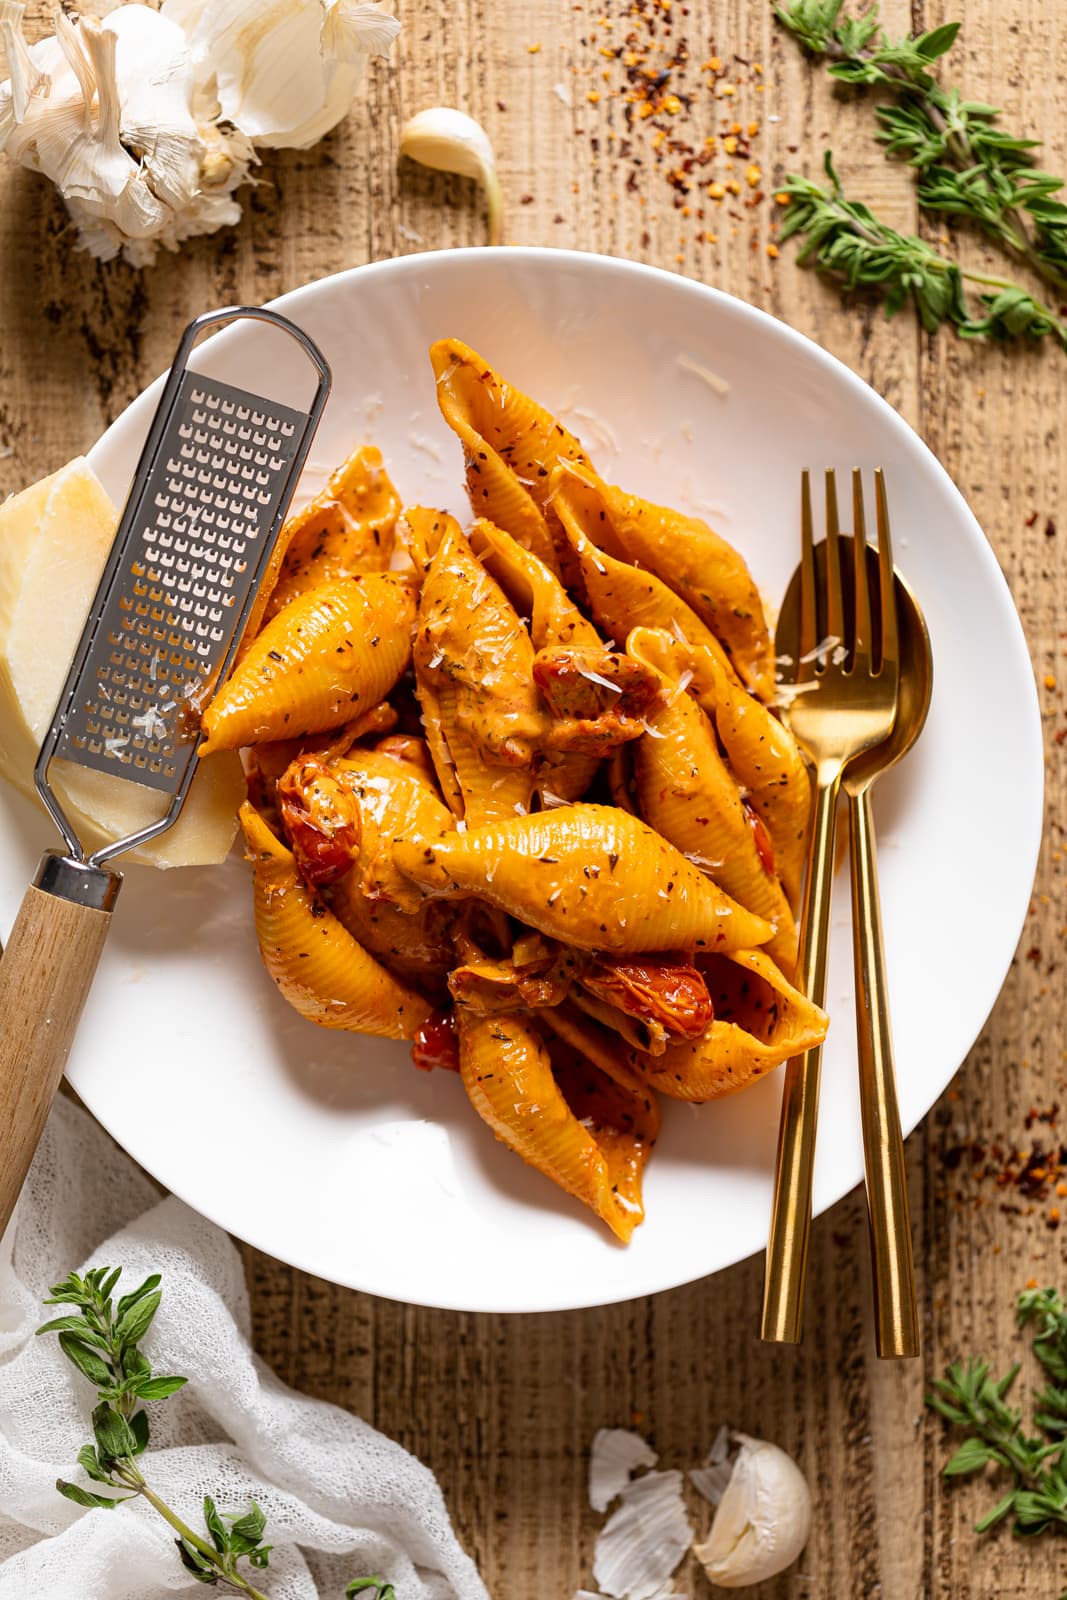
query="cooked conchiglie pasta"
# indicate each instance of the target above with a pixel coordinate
(704, 570)
(393, 798)
(595, 1152)
(762, 754)
(509, 445)
(348, 529)
(335, 652)
(474, 674)
(760, 1021)
(622, 597)
(587, 875)
(317, 965)
(689, 795)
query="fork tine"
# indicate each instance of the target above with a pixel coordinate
(835, 611)
(886, 581)
(809, 634)
(861, 646)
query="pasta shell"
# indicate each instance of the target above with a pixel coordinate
(348, 529)
(760, 1021)
(622, 597)
(393, 798)
(474, 676)
(596, 1155)
(688, 794)
(762, 753)
(587, 875)
(509, 445)
(332, 653)
(709, 574)
(318, 967)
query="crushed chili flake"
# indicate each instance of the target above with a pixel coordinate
(664, 111)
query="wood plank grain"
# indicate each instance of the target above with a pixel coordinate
(503, 1408)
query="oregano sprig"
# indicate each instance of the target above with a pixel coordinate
(845, 239)
(101, 1337)
(967, 165)
(970, 1398)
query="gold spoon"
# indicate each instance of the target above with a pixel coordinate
(896, 1320)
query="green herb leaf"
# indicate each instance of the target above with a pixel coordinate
(133, 1323)
(381, 1589)
(83, 1497)
(216, 1527)
(128, 1300)
(972, 1455)
(159, 1388)
(140, 1431)
(195, 1563)
(84, 1358)
(76, 1325)
(115, 1440)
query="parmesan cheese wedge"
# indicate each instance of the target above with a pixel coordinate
(54, 541)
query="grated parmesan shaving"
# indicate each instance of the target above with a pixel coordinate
(705, 374)
(681, 686)
(594, 677)
(653, 733)
(822, 652)
(563, 95)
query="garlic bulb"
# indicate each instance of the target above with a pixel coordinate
(763, 1520)
(105, 109)
(284, 71)
(450, 141)
(146, 121)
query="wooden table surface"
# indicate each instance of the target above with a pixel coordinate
(503, 1408)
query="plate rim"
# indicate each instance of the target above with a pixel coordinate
(1030, 821)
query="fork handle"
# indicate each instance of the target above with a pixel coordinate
(896, 1318)
(45, 975)
(787, 1244)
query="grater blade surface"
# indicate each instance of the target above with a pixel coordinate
(214, 481)
(189, 559)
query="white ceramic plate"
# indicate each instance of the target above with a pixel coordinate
(329, 1150)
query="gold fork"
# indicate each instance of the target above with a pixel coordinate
(843, 706)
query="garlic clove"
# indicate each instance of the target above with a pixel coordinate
(26, 74)
(451, 141)
(763, 1519)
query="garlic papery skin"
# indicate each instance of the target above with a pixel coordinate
(283, 71)
(111, 120)
(763, 1519)
(451, 141)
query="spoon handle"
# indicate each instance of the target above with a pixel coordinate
(790, 1230)
(896, 1320)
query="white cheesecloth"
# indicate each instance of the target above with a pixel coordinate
(341, 1500)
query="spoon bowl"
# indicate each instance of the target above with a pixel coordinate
(916, 673)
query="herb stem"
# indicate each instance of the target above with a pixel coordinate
(233, 1580)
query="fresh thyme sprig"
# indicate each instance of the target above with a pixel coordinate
(971, 1399)
(967, 165)
(845, 239)
(101, 1338)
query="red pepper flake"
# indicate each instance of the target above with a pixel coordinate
(1031, 519)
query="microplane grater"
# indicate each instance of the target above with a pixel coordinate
(211, 489)
(194, 541)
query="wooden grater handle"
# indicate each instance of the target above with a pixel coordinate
(45, 975)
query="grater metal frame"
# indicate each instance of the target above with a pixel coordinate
(131, 516)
